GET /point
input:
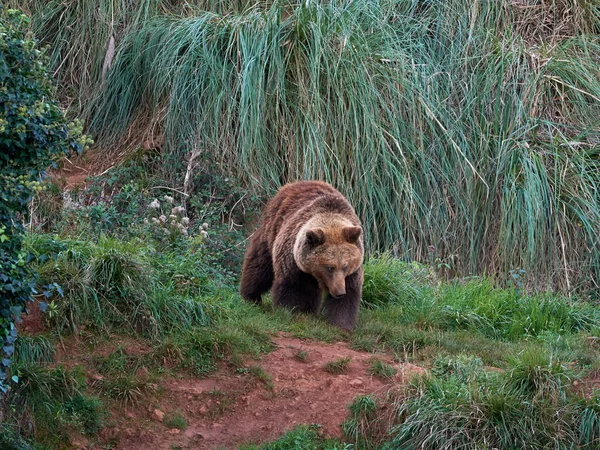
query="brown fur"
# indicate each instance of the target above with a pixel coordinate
(310, 242)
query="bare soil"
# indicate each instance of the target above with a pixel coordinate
(234, 407)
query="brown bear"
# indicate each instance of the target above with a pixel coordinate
(310, 242)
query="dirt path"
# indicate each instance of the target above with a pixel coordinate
(232, 408)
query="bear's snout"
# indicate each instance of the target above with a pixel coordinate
(339, 293)
(338, 287)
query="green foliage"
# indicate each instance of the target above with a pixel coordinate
(33, 131)
(176, 420)
(301, 355)
(51, 400)
(473, 304)
(261, 375)
(11, 439)
(363, 412)
(110, 284)
(481, 160)
(390, 280)
(538, 373)
(381, 369)
(477, 305)
(34, 350)
(338, 366)
(461, 405)
(302, 437)
(126, 388)
(199, 348)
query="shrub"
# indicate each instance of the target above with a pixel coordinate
(33, 131)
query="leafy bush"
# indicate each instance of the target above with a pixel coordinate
(33, 131)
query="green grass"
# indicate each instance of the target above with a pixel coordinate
(34, 350)
(360, 427)
(176, 420)
(390, 280)
(54, 402)
(301, 355)
(381, 369)
(11, 439)
(481, 160)
(338, 366)
(538, 373)
(127, 389)
(464, 406)
(262, 376)
(302, 437)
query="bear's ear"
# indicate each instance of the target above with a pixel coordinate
(351, 234)
(315, 236)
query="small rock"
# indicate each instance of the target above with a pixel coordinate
(174, 431)
(157, 414)
(356, 382)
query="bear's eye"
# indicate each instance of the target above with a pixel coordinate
(330, 269)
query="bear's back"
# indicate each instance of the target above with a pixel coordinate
(295, 203)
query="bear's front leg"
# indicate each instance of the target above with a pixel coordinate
(343, 311)
(297, 291)
(257, 272)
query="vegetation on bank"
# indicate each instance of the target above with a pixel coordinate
(121, 273)
(477, 122)
(33, 133)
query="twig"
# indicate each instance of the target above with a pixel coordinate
(232, 208)
(171, 189)
(188, 173)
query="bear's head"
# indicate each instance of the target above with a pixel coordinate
(330, 254)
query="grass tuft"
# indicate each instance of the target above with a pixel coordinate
(381, 369)
(338, 366)
(33, 350)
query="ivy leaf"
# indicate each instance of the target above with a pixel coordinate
(17, 311)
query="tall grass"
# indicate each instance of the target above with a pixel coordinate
(464, 132)
(84, 36)
(465, 407)
(112, 285)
